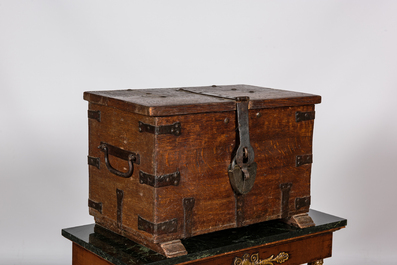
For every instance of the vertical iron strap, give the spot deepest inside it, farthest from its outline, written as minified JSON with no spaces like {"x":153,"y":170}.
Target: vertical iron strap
{"x":188,"y":204}
{"x":240,"y":199}
{"x":120,"y":197}
{"x":285,"y":190}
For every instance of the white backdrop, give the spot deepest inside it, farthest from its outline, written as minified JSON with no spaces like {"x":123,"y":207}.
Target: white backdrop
{"x":52,"y":51}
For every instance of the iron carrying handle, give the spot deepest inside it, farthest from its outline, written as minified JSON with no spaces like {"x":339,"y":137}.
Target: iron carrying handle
{"x":130,"y":157}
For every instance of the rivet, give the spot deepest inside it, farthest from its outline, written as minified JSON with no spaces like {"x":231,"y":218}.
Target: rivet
{"x":175,"y":182}
{"x":213,"y":85}
{"x":258,"y":114}
{"x":226,"y":121}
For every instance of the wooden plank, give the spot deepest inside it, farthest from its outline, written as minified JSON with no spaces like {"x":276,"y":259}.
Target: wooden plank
{"x":120,"y":128}
{"x":177,"y":101}
{"x":203,"y":152}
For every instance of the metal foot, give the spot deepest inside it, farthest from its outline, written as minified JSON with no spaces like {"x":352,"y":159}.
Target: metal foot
{"x":317,"y":262}
{"x":173,"y":248}
{"x":302,"y":220}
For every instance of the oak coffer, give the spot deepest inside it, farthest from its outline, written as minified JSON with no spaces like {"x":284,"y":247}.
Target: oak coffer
{"x":166,"y":164}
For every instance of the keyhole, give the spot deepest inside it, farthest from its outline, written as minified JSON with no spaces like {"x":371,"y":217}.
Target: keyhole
{"x":245,"y":155}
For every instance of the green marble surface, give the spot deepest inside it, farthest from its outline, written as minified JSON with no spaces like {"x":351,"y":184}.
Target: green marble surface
{"x":122,"y":251}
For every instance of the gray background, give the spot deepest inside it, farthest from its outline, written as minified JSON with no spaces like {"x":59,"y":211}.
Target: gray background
{"x":52,"y":51}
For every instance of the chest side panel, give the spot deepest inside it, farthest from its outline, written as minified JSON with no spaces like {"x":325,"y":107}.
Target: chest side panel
{"x":203,"y":152}
{"x":278,"y":139}
{"x":121,"y":198}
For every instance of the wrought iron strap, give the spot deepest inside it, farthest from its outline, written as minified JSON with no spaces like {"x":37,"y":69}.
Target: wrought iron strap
{"x":302,"y":202}
{"x":174,"y":128}
{"x":245,"y":150}
{"x":95,"y":205}
{"x":242,"y":170}
{"x":159,"y":181}
{"x":304,"y":116}
{"x":120,"y":197}
{"x":93,"y":161}
{"x":188,"y":204}
{"x":304,"y":159}
{"x":94,"y":114}
{"x":163,"y":228}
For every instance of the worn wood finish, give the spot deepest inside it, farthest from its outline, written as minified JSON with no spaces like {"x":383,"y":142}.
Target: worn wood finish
{"x":203,"y":158}
{"x":300,"y":251}
{"x":173,"y":101}
{"x":81,"y":256}
{"x":203,"y":200}
{"x":120,"y":128}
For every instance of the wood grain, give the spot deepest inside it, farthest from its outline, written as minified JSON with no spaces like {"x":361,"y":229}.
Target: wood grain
{"x":175,"y":101}
{"x":202,"y":154}
{"x":205,"y":149}
{"x":120,"y":129}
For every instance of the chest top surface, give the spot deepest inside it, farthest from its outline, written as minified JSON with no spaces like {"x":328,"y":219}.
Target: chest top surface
{"x":190,"y":100}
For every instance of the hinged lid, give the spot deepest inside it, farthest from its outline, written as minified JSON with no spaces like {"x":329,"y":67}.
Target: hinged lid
{"x":177,"y":101}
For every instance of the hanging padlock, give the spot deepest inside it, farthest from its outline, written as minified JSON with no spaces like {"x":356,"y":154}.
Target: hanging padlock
{"x":242,"y":170}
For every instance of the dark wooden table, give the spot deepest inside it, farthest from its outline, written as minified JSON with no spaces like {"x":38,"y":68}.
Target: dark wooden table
{"x":272,"y":242}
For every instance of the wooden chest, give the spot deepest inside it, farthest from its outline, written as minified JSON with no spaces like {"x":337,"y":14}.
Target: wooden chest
{"x":166,"y":164}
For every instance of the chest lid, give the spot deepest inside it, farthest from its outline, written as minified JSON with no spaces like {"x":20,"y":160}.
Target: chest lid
{"x":190,"y":100}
